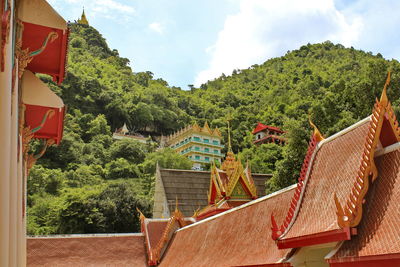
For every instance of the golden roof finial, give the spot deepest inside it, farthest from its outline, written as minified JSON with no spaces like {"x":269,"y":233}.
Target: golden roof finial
{"x":229,"y":134}
{"x":176,"y":203}
{"x":83,"y":19}
{"x":141,"y":215}
{"x":196,"y":212}
{"x":316,"y":133}
{"x":384,"y":98}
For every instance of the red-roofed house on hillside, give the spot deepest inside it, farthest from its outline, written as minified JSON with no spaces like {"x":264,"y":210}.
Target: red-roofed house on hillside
{"x":264,"y":134}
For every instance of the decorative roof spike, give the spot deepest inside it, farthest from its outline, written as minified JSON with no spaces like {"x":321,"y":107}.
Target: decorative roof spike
{"x":206,"y":128}
{"x":141,"y":218}
{"x":196,"y":212}
{"x":196,"y":127}
{"x":384,"y":98}
{"x":216,"y":132}
{"x":176,"y":203}
{"x":83,"y":19}
{"x":229,"y":138}
{"x":316,"y":133}
{"x":141,"y":215}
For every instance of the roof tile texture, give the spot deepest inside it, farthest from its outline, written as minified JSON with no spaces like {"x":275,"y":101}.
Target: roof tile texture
{"x":155,"y":230}
{"x":191,"y":188}
{"x":333,"y":170}
{"x":110,"y":251}
{"x":242,"y":237}
{"x":379,"y":230}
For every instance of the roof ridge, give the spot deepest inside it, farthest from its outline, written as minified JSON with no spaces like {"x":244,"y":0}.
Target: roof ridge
{"x":297,"y":198}
{"x":346,"y":130}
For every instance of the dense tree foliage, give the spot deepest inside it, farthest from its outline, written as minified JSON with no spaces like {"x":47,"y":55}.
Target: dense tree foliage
{"x":92,"y":183}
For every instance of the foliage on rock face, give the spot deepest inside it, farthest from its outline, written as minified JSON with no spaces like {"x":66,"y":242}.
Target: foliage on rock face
{"x":92,"y":183}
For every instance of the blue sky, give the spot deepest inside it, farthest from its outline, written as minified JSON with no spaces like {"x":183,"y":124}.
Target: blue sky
{"x":192,"y":41}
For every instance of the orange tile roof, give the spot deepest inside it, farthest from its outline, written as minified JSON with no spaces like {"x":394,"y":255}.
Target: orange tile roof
{"x":317,"y":212}
{"x":241,"y":237}
{"x":90,"y":250}
{"x":379,"y":230}
{"x":154,"y":230}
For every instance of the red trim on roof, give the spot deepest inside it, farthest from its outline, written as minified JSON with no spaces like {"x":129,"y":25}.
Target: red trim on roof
{"x":367,"y":261}
{"x":260,"y":127}
{"x":315,"y":239}
{"x":296,"y":199}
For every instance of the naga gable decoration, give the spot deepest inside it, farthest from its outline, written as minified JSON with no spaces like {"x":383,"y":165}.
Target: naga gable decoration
{"x":383,"y":128}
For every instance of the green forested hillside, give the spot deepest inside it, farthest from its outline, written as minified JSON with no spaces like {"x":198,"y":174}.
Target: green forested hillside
{"x":78,"y":186}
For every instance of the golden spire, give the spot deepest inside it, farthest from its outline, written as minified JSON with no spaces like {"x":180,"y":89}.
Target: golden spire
{"x":316,"y":133}
{"x":83,"y":19}
{"x":176,"y":203}
{"x":384,"y":99}
{"x":229,"y":135}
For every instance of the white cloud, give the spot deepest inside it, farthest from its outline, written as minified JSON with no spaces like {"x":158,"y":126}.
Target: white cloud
{"x":267,"y":28}
{"x":107,"y":6}
{"x":157,"y":27}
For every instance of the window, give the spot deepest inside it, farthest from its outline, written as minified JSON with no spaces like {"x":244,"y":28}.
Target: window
{"x":215,"y":142}
{"x":196,"y":138}
{"x":197,"y":157}
{"x":197,"y":148}
{"x":216,"y":151}
{"x":206,"y":149}
{"x":207,"y":158}
{"x":206,"y":141}
{"x":259,"y":136}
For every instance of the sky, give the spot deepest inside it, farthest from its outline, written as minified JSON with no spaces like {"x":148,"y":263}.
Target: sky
{"x":188,"y":42}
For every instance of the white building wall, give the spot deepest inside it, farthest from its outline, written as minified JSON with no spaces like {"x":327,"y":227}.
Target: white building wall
{"x":12,"y":219}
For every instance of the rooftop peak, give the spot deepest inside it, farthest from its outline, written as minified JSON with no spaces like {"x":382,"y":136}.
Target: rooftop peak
{"x":83,"y":19}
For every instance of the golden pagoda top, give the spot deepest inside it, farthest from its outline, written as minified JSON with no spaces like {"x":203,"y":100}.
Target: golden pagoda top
{"x":83,"y":19}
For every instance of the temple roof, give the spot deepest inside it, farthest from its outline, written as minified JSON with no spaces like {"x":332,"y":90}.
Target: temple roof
{"x":83,"y":19}
{"x":336,"y":171}
{"x":190,"y":187}
{"x":379,"y":231}
{"x":240,"y":236}
{"x":87,"y":250}
{"x":317,"y":211}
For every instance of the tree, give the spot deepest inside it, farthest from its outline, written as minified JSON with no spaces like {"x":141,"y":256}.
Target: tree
{"x":166,"y":158}
{"x":131,"y":150}
{"x":262,"y":158}
{"x":121,"y":169}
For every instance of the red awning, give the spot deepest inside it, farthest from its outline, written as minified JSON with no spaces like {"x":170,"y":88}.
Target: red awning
{"x":44,"y":110}
{"x":45,"y":34}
